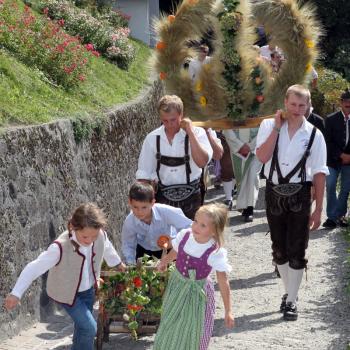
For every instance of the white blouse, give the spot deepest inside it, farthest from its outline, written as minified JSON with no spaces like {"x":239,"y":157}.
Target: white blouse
{"x":217,"y":259}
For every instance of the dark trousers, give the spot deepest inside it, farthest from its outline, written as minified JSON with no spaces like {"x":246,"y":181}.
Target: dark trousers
{"x":141,"y":251}
{"x":226,"y":162}
{"x":288,"y":219}
{"x":188,"y":206}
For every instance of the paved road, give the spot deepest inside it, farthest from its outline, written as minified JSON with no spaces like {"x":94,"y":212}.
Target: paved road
{"x":324,"y":319}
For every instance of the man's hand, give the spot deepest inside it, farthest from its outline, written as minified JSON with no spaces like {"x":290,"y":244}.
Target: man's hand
{"x":345,"y":158}
{"x":161,"y":266}
{"x":315,"y":219}
{"x":279,"y":119}
{"x":244,"y":150}
{"x":187,"y":125}
{"x":11,"y":302}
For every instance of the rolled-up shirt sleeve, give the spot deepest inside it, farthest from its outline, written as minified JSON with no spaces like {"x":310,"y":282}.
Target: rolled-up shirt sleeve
{"x":129,"y":241}
{"x":204,"y":142}
{"x":147,"y":160}
{"x":110,"y":255}
{"x":264,"y":132}
{"x":318,"y":155}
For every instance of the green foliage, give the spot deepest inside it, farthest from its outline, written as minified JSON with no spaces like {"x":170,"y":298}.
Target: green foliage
{"x":138,"y":289}
{"x":97,"y":33}
{"x":341,"y":60}
{"x":27,"y":96}
{"x":42,"y":44}
{"x":325,"y":99}
{"x":84,"y":128}
{"x":230,"y":23}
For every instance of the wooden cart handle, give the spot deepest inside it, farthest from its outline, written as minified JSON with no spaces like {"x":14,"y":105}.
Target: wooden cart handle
{"x":226,"y":123}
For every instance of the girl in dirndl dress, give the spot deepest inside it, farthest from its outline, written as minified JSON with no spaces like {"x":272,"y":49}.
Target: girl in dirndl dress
{"x":189,"y":305}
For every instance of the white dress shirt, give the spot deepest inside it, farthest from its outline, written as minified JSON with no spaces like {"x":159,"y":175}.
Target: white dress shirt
{"x":147,"y":163}
{"x":290,"y":151}
{"x":50,"y":257}
{"x":217,"y":259}
{"x":166,"y":220}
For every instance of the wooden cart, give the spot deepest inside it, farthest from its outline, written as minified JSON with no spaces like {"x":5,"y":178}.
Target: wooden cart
{"x":108,"y":323}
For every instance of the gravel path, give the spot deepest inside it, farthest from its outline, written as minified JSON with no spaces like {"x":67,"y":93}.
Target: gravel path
{"x":324,"y":306}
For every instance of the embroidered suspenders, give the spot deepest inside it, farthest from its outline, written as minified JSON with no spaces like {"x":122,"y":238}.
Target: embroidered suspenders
{"x":173,"y":161}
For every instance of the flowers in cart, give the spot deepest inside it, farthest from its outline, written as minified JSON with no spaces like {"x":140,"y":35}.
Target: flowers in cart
{"x":136,"y":294}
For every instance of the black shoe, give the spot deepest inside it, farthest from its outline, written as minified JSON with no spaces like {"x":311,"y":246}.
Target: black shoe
{"x":248,"y":214}
{"x":290,"y":312}
{"x":229,"y":203}
{"x":330,"y":224}
{"x":342,"y":222}
{"x":248,"y":218}
{"x":283,"y":303}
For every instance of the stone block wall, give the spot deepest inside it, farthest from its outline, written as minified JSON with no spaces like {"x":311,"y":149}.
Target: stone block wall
{"x":45,"y":173}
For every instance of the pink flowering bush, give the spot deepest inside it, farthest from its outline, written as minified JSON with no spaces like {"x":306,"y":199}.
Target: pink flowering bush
{"x":42,"y":43}
{"x":110,"y":41}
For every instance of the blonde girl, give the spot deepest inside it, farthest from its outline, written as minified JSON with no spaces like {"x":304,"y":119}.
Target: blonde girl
{"x":189,"y":304}
{"x":74,"y":262}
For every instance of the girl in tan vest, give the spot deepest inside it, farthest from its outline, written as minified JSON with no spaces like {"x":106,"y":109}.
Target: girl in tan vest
{"x":74,"y":262}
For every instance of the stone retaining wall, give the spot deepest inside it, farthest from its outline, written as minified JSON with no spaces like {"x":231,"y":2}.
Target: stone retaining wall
{"x":45,"y":173}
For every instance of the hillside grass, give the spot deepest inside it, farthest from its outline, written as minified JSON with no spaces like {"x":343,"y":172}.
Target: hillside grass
{"x":27,"y":97}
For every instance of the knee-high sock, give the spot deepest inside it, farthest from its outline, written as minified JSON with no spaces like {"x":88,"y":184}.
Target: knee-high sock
{"x":294,"y":281}
{"x":283,"y":270}
{"x":228,"y":187}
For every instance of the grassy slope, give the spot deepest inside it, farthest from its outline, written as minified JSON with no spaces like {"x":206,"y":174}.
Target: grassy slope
{"x":26,"y":97}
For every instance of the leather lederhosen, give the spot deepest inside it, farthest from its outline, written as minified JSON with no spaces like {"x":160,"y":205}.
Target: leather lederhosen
{"x":185,"y":196}
{"x":288,"y":207}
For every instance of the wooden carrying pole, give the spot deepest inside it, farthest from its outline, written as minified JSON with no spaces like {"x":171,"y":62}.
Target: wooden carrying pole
{"x":226,"y":123}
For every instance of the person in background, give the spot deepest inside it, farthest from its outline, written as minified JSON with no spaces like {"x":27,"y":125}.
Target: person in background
{"x":338,"y":160}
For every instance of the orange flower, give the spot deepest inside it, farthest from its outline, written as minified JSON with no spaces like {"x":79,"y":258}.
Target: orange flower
{"x":162,"y":75}
{"x":171,"y":18}
{"x":134,"y":307}
{"x":160,"y":45}
{"x":258,"y":81}
{"x":137,"y":282}
{"x":260,"y":98}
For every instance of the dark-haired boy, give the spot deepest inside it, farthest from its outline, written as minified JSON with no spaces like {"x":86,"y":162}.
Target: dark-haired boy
{"x":147,"y":222}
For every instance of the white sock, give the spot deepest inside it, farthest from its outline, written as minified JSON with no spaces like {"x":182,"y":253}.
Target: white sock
{"x":283,"y":270}
{"x":228,"y":187}
{"x":294,"y":281}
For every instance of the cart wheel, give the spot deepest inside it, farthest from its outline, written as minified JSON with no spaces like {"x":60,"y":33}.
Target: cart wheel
{"x":100,"y":333}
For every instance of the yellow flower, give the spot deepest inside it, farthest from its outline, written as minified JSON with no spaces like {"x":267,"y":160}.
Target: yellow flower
{"x":199,"y":86}
{"x":309,"y":43}
{"x":206,"y":67}
{"x":308,"y":67}
{"x":203,"y":101}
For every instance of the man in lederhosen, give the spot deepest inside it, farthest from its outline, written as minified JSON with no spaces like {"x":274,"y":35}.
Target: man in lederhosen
{"x":294,"y":154}
{"x":173,"y":156}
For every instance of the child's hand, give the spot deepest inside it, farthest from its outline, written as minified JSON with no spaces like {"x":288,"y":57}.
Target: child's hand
{"x":121,"y":267}
{"x":229,"y":320}
{"x":11,"y":302}
{"x":161,"y":266}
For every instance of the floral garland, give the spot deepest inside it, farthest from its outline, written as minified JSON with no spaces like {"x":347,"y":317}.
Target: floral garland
{"x":230,"y":21}
{"x":258,"y":88}
{"x":136,"y":292}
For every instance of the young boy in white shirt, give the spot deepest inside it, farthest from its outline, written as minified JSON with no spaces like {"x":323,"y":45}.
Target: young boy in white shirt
{"x":147,"y":222}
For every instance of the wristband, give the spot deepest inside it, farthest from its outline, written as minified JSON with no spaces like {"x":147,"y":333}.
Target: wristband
{"x":277,"y":129}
